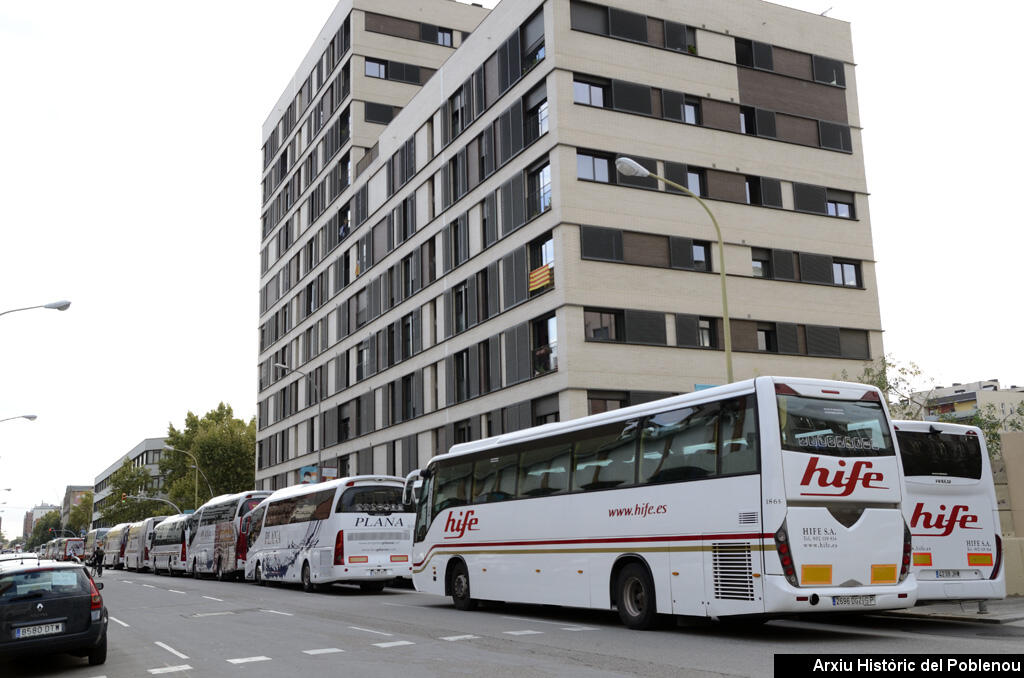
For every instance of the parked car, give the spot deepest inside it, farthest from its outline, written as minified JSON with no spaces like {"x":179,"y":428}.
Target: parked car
{"x":48,"y":606}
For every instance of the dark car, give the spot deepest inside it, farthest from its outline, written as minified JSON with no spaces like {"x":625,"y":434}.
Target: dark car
{"x":48,"y":606}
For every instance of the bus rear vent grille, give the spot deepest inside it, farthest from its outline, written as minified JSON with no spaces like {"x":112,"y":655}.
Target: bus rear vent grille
{"x":748,"y":517}
{"x":734,"y":577}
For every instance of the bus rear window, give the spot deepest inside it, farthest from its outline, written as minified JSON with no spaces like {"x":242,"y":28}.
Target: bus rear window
{"x":835,"y":428}
{"x":940,"y":454}
{"x":374,"y":499}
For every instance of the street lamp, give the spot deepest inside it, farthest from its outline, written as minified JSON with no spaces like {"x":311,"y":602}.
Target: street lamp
{"x":631,"y":168}
{"x":195,"y":498}
{"x":58,"y":305}
{"x":320,"y":423}
{"x":30,"y":417}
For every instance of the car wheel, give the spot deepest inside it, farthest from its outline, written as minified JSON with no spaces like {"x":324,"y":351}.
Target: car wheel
{"x":307,"y":581}
{"x":98,"y":655}
{"x":636,"y":603}
{"x":460,"y":588}
{"x":259,"y":575}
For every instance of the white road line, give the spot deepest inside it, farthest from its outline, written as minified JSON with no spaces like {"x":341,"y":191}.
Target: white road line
{"x":211,"y":614}
{"x":171,"y":669}
{"x":171,"y":649}
{"x":398,"y":605}
{"x":360,"y":628}
{"x":149,"y":586}
{"x":578,"y":628}
{"x":465,"y":637}
{"x":534,"y":621}
{"x":115,"y":619}
{"x":395,"y":643}
{"x":287,"y":614}
{"x":526,"y":632}
{"x":219,"y":600}
{"x":324,"y":650}
{"x":125,"y":581}
{"x":246,"y":660}
{"x":174,"y":591}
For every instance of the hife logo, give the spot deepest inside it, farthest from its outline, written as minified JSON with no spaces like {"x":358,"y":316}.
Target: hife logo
{"x":458,"y":524}
{"x":958,"y":515}
{"x":840,"y":480}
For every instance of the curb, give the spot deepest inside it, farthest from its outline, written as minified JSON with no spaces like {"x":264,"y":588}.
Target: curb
{"x":951,"y":616}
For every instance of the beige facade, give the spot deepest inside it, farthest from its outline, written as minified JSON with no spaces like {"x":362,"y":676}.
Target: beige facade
{"x":534,"y":285}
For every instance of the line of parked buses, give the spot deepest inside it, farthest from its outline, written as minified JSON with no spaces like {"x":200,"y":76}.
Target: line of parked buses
{"x":769,"y":497}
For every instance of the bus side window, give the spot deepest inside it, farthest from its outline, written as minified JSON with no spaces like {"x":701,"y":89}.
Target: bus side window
{"x":545,"y":471}
{"x":423,"y":512}
{"x":680,"y":445}
{"x":605,"y":458}
{"x":737,"y":437}
{"x":494,"y":479}
{"x":453,"y":486}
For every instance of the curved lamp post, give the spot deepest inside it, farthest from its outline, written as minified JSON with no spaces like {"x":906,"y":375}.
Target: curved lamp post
{"x":58,"y":305}
{"x":320,"y":423}
{"x":631,"y":168}
{"x":195,"y":498}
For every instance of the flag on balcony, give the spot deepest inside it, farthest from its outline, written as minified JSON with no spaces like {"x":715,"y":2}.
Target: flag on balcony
{"x":540,"y":277}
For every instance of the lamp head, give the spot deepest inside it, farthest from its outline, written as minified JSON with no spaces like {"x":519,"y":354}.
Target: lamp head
{"x":30,"y":417}
{"x":630,"y":167}
{"x":59,"y":305}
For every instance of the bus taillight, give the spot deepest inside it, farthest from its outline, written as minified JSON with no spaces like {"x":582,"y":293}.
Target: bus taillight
{"x":907,"y":549}
{"x":999,"y":557}
{"x":782,"y":389}
{"x":339,"y":548}
{"x":785,"y":555}
{"x":183,"y":556}
{"x":871,"y":396}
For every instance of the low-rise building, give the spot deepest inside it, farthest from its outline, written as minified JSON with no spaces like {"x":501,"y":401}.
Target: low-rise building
{"x":73,"y":495}
{"x":147,"y":455}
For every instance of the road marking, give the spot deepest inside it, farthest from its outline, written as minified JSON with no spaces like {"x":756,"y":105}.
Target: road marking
{"x":219,"y":600}
{"x":125,"y":581}
{"x":246,"y":660}
{"x":398,"y":605}
{"x":115,"y":619}
{"x":211,"y":614}
{"x":149,"y":586}
{"x":538,"y":621}
{"x":171,"y":650}
{"x":465,"y":637}
{"x":325,"y":650}
{"x":395,"y":643}
{"x":171,"y":669}
{"x":523,"y":633}
{"x":578,"y":628}
{"x":381,"y":633}
{"x":174,"y":591}
{"x":287,"y":614}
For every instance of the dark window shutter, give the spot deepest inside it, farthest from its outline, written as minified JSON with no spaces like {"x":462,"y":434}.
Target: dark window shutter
{"x":834,"y":136}
{"x":645,"y":327}
{"x":415,"y":272}
{"x":828,"y":71}
{"x":417,"y":392}
{"x":493,"y":290}
{"x":815,"y":268}
{"x":490,"y":209}
{"x":508,"y":280}
{"x":822,"y":341}
{"x":463,"y":226}
{"x":687,"y":330}
{"x":474,"y":371}
{"x":627,"y":96}
{"x":520,"y":274}
{"x":765,"y":122}
{"x":446,"y":248}
{"x":518,"y":200}
{"x":763,"y":56}
{"x":628,"y":25}
{"x":601,"y":243}
{"x":676,"y":172}
{"x":417,"y":331}
{"x":680,"y":252}
{"x":675,"y":36}
{"x":446,"y":116}
{"x":782,"y":265}
{"x":374,"y":310}
{"x":771,"y":192}
{"x":471,"y":301}
{"x":516,"y":124}
{"x":511,"y":370}
{"x":385,"y":290}
{"x":494,"y":361}
{"x":460,"y":179}
{"x":488,"y":150}
{"x":589,"y":18}
{"x":808,"y":198}
{"x":449,"y":309}
{"x":473,"y":163}
{"x":371,"y":354}
{"x":786,"y":334}
{"x":449,"y":379}
{"x":523,"y":362}
{"x":650,"y":165}
{"x":672,"y":104}
{"x":343,"y":326}
{"x":506,"y":208}
{"x":854,"y":344}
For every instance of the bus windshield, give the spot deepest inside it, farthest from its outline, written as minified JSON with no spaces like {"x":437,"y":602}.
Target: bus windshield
{"x":940,"y":454}
{"x":835,"y":428}
{"x":376,"y":499}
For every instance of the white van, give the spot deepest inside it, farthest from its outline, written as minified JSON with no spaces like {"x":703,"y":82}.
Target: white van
{"x":949,"y":502}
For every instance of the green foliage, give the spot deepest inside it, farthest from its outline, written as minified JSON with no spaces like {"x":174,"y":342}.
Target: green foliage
{"x":992,"y":424}
{"x":225,"y":448}
{"x":80,"y":516}
{"x":897,"y":381}
{"x":41,"y":532}
{"x":131,"y":480}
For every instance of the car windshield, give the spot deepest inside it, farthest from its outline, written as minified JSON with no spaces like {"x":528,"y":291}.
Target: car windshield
{"x":42,"y":583}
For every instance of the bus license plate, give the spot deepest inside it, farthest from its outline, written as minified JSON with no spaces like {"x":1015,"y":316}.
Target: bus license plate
{"x":947,"y":574}
{"x":850,"y":601}
{"x":377,"y":570}
{"x":40,"y":630}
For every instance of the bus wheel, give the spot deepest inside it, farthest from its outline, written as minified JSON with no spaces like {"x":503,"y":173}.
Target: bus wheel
{"x":636,"y":603}
{"x":371,"y":586}
{"x":460,"y":588}
{"x":259,"y":575}
{"x":307,"y":581}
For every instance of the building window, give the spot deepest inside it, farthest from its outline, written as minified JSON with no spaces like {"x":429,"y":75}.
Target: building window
{"x":531,"y":36}
{"x":706,"y":333}
{"x":691,"y":111}
{"x":748,"y":120}
{"x":590,"y":93}
{"x":696,"y":181}
{"x":761,"y":261}
{"x":592,"y":167}
{"x":837,"y":208}
{"x":545,"y":345}
{"x":598,"y":402}
{"x":766,"y":338}
{"x":538,"y":187}
{"x":461,"y":363}
{"x":536,"y":123}
{"x":376,"y":69}
{"x":444,"y":37}
{"x":542,"y":259}
{"x":455,"y":107}
{"x":460,"y":297}
{"x":599,"y":325}
{"x":701,"y":256}
{"x":845,"y":273}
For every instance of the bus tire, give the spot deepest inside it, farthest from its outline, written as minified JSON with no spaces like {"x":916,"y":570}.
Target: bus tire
{"x":371,"y":586}
{"x":635,"y":599}
{"x":307,"y":581}
{"x":460,"y":588}
{"x":258,"y":576}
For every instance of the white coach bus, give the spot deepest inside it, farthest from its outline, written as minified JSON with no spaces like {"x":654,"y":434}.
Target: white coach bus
{"x":950,"y":503}
{"x":771,"y":496}
{"x":212,"y":533}
{"x":169,"y":552}
{"x":113,"y":546}
{"x":140,"y":541}
{"x":351,"y":530}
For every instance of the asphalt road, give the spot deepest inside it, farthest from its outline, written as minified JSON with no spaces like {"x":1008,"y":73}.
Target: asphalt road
{"x":182,"y":627}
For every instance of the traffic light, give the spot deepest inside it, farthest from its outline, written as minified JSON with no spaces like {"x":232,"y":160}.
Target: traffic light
{"x":124,"y":497}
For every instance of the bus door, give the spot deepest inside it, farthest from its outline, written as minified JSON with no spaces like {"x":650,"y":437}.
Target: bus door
{"x":843,"y":487}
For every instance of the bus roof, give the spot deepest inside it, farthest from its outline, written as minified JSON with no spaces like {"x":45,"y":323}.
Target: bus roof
{"x":625,"y":413}
{"x":299,"y":490}
{"x":237,"y":496}
{"x":940,"y":426}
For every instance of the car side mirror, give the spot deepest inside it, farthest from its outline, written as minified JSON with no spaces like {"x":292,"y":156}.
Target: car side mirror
{"x":99,"y":585}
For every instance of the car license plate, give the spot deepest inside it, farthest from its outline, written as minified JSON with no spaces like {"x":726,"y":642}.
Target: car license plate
{"x":852,"y":601}
{"x":947,"y":574}
{"x":40,"y":630}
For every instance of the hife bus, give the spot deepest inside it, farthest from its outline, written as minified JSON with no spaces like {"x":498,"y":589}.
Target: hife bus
{"x":768,"y":497}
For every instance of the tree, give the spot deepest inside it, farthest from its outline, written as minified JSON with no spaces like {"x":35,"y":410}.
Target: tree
{"x":225,"y":448}
{"x":80,"y":516}
{"x":133,"y":481}
{"x":896,"y":381}
{"x":992,"y":424}
{"x":41,"y":532}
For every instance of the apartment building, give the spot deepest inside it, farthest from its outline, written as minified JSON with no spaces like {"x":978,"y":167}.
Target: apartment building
{"x":963,"y":401}
{"x":481,"y":267}
{"x":73,"y":495}
{"x":144,"y":455}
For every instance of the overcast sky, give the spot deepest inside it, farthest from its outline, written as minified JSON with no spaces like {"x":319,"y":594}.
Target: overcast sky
{"x":130,"y":186}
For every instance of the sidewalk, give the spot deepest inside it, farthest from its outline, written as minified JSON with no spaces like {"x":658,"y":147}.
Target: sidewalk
{"x":999,"y":611}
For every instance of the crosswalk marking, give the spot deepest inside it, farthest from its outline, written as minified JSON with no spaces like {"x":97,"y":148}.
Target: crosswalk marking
{"x":465,"y":637}
{"x":394,"y":643}
{"x":325,"y":650}
{"x":171,"y":669}
{"x":170,"y":649}
{"x":246,"y":660}
{"x":526,"y":632}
